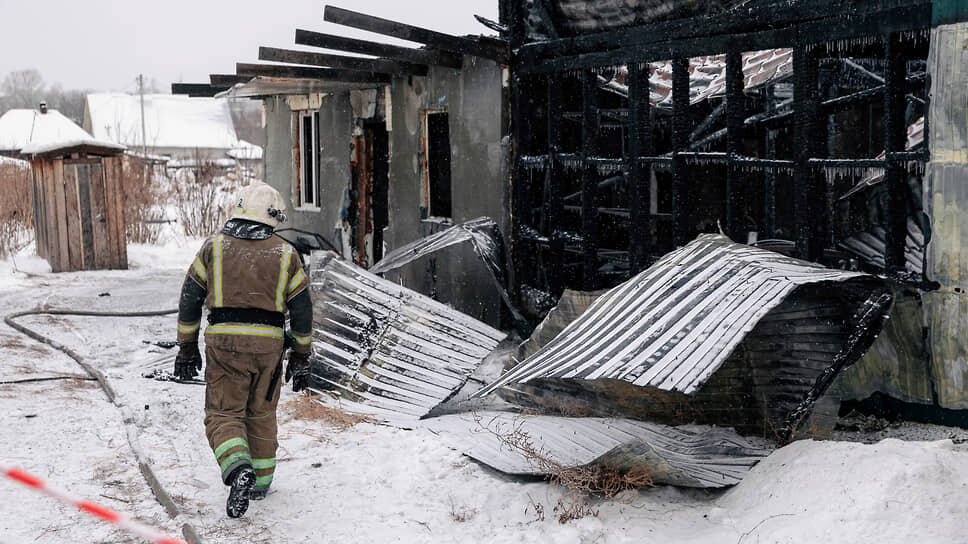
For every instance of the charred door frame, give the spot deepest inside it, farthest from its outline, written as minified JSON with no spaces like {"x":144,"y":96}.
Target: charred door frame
{"x":370,"y":192}
{"x":889,"y":30}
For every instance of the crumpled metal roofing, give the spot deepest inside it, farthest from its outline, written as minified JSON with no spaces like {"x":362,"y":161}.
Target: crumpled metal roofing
{"x":871,"y":247}
{"x":673,"y":325}
{"x":674,"y":456}
{"x":482,"y":233}
{"x":383,"y":349}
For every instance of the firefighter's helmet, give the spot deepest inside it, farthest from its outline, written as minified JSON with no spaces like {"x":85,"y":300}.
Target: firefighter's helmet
{"x":260,"y":203}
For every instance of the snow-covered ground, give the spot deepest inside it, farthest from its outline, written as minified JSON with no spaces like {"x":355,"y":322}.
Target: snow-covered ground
{"x":374,"y":483}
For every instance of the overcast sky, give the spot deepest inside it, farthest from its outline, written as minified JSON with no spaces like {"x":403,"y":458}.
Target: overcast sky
{"x":105,"y":44}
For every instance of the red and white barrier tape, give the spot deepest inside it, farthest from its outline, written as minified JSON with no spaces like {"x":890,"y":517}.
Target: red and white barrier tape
{"x":102,"y":512}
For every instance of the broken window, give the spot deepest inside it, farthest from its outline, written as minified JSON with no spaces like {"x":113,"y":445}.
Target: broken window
{"x":309,"y":159}
{"x":438,"y":164}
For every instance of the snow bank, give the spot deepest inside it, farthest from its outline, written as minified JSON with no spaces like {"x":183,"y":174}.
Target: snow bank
{"x":892,"y":491}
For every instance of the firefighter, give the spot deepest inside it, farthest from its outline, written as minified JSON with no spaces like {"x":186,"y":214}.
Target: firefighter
{"x":248,"y":279}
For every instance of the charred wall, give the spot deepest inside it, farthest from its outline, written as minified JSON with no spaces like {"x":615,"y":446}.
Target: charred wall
{"x":472,"y":98}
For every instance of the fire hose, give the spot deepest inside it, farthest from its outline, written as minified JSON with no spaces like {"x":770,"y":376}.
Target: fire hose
{"x":149,"y":475}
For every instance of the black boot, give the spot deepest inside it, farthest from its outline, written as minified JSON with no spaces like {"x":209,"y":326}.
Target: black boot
{"x":242,"y":480}
{"x":258,"y":493}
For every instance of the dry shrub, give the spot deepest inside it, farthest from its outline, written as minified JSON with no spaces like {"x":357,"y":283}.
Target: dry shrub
{"x":16,"y":208}
{"x":460,"y":514}
{"x":307,"y":407}
{"x":580,"y":483}
{"x":144,"y":200}
{"x":204,"y":197}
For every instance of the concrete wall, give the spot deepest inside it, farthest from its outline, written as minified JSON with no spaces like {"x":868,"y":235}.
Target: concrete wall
{"x":335,"y":135}
{"x":472,"y":98}
{"x":946,"y":203}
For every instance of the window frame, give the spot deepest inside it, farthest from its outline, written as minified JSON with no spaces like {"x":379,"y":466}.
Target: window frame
{"x":308,"y":191}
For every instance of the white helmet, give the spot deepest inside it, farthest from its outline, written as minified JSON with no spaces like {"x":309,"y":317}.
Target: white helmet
{"x":260,"y":203}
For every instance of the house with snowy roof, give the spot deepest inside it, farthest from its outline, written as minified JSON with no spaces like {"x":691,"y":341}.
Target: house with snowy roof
{"x":22,"y":127}
{"x":171,"y":126}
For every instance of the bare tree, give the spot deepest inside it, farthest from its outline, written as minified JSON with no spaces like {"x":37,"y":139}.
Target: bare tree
{"x":22,"y":89}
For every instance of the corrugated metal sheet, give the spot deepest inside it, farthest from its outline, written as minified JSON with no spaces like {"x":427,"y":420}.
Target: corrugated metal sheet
{"x":384,"y":349}
{"x":672,"y":326}
{"x":871,"y":246}
{"x":482,"y":233}
{"x":711,"y":458}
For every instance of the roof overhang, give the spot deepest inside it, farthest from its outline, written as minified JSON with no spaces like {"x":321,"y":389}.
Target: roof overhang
{"x":259,"y":87}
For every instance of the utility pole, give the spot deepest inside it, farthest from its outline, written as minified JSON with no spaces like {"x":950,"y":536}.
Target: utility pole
{"x":144,"y":138}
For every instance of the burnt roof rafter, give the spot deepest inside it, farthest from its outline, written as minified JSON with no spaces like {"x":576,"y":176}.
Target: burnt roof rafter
{"x":342,"y":61}
{"x":783,"y":25}
{"x":197,"y":89}
{"x":227,"y":79}
{"x":434,"y":57}
{"x":488,"y":48}
{"x":304,"y":72}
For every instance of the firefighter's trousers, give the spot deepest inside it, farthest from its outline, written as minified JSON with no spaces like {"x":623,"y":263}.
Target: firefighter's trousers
{"x":239,"y":422}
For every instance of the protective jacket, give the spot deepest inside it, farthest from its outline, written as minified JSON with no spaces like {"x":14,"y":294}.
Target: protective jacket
{"x":249,"y":280}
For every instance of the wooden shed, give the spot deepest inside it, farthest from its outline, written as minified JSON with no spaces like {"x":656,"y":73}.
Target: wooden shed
{"x":79,"y":205}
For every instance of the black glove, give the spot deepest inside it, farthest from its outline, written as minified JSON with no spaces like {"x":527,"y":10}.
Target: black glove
{"x":298,"y":370}
{"x":188,"y":361}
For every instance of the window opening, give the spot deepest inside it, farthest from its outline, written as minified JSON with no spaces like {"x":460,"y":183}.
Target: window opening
{"x":309,"y":159}
{"x":438,"y":164}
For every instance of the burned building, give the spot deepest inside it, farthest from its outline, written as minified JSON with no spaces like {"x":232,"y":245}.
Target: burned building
{"x":374,"y":153}
{"x":828,"y":131}
{"x":600,"y":137}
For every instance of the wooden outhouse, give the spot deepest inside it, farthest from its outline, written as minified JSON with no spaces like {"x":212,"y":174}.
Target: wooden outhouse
{"x":79,"y":205}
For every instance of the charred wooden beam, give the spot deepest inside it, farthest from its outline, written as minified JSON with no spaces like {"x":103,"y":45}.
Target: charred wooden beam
{"x":496,"y":50}
{"x":768,"y":151}
{"x":433,"y":57}
{"x":589,"y":179}
{"x":681,"y":191}
{"x":329,"y":74}
{"x":197,"y":89}
{"x":521,"y":202}
{"x":555,"y":200}
{"x":640,"y":180}
{"x":735,"y":178}
{"x":769,"y":26}
{"x":895,"y":137}
{"x":808,"y":196}
{"x":227,"y":79}
{"x":341,"y":61}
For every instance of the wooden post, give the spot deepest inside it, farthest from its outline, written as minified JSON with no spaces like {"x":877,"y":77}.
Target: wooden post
{"x":589,"y":179}
{"x":735,"y":180}
{"x":895,"y":137}
{"x":682,"y":228}
{"x":640,"y":144}
{"x":555,"y":198}
{"x":768,"y":230}
{"x":806,"y":105}
{"x":521,"y":200}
